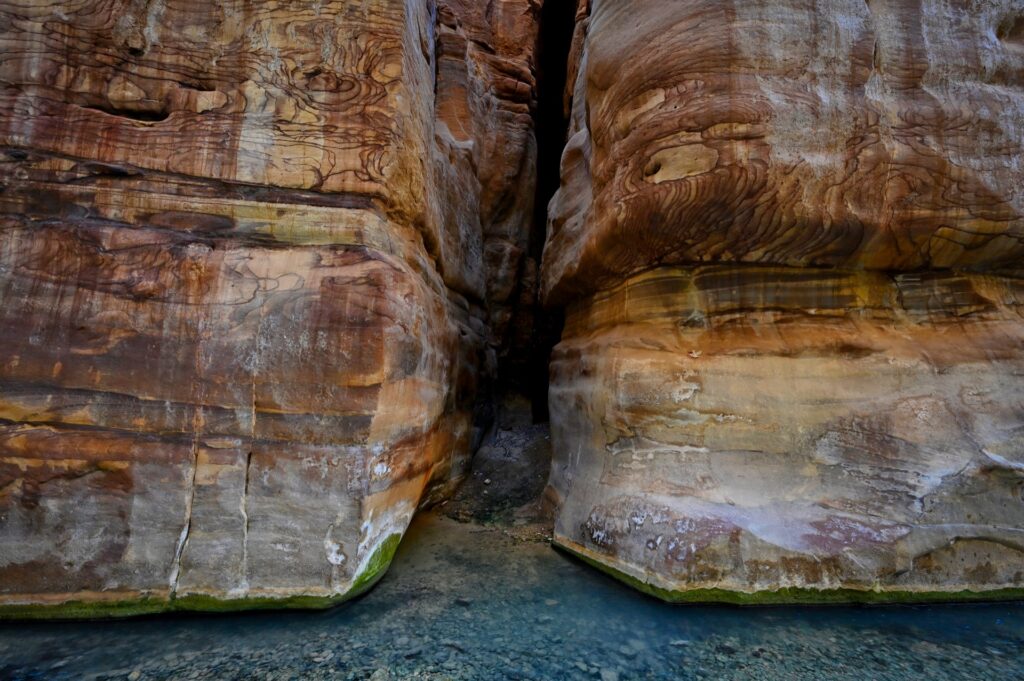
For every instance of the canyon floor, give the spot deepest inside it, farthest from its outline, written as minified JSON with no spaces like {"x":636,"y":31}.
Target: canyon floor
{"x":476,"y":592}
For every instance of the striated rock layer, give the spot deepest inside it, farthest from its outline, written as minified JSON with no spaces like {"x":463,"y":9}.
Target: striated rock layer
{"x":789,"y":236}
{"x":249,"y":255}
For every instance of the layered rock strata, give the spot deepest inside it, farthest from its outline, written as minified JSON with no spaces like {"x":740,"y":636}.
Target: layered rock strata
{"x":249,"y":255}
{"x":788,"y":236}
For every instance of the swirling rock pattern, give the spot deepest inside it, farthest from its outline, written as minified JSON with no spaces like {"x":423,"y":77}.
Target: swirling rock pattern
{"x":789,"y":237}
{"x":247,"y":267}
{"x":879,"y":134}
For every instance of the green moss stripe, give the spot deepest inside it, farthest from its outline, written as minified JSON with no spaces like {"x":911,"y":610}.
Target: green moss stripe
{"x":378,"y":565}
{"x":79,"y":610}
{"x":796,"y":595}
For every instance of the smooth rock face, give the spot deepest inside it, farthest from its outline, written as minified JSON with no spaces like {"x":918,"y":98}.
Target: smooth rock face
{"x":245,"y":259}
{"x":789,"y":237}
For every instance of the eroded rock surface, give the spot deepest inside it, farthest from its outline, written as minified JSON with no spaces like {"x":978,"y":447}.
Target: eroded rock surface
{"x":249,"y":258}
{"x":789,"y":236}
{"x":878,"y":135}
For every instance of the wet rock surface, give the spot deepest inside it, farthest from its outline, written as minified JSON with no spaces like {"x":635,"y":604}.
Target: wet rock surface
{"x":464,"y":601}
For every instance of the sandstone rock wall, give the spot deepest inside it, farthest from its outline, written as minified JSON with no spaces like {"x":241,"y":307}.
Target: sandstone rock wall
{"x":789,"y":238}
{"x":249,"y":258}
{"x":879,"y":135}
{"x":257,"y":260}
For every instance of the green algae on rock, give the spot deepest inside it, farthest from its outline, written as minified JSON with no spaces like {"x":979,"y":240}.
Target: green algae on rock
{"x":469,"y":602}
{"x":375,"y":569}
{"x":790,"y":595}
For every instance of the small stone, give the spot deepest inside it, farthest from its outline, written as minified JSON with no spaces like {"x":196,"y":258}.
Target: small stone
{"x":679,"y":643}
{"x":609,"y":675}
{"x":487,"y":481}
{"x":455,"y":645}
{"x":550,"y":601}
{"x":135,"y":675}
{"x":464,"y":602}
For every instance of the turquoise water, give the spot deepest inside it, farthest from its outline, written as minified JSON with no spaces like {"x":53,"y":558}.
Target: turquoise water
{"x":466,"y":602}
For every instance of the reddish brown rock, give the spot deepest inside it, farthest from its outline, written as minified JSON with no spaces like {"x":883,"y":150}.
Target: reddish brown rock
{"x":789,"y":236}
{"x":883,"y":135}
{"x":249,"y":254}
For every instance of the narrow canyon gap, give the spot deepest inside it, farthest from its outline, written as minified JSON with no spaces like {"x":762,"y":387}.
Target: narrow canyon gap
{"x":266,"y":270}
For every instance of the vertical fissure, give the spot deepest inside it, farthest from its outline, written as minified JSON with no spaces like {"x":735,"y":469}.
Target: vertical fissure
{"x":511,"y":465}
{"x":536,"y":329}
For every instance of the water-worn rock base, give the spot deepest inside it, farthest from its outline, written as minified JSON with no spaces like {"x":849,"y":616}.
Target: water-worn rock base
{"x":466,"y":601}
{"x":772,"y":435}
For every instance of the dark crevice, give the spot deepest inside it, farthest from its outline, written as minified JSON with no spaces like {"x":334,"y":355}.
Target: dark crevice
{"x":1011,"y":31}
{"x":558,"y":20}
{"x":536,"y":330}
{"x":133,"y":114}
{"x":512,"y":448}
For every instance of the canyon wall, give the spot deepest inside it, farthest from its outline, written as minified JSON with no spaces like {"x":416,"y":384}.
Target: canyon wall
{"x":258,"y":263}
{"x":254,"y":262}
{"x":789,"y":237}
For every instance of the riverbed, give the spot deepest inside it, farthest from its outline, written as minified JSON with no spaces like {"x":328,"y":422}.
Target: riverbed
{"x":470,"y":601}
